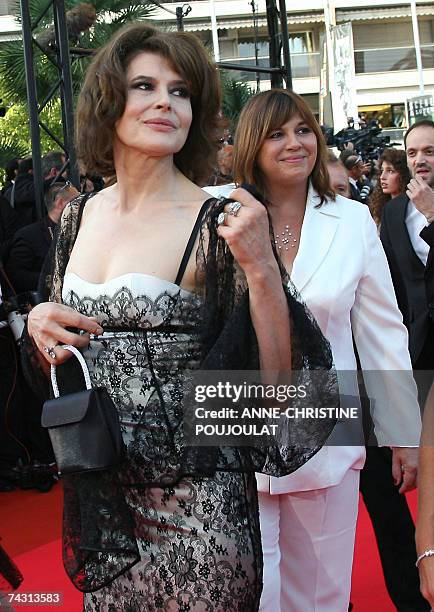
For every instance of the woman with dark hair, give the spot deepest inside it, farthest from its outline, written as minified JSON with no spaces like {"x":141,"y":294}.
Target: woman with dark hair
{"x":393,"y":180}
{"x":174,"y":527}
{"x":329,"y":246}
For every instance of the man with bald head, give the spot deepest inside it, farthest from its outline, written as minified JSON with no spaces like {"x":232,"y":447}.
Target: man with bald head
{"x":338,"y":176}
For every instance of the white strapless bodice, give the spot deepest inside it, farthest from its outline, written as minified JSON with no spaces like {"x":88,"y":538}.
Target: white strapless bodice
{"x":139,"y":284}
{"x":129,"y":300}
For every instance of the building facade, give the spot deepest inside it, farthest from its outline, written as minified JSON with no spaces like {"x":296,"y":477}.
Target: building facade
{"x":384,"y":54}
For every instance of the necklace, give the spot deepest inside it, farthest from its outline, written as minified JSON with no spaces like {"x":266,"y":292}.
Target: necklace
{"x":285,"y":239}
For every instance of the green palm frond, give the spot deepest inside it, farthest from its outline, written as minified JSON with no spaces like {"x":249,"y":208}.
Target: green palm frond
{"x":36,"y":7}
{"x":101,"y":33}
{"x":235,"y":96}
{"x":9,"y":149}
{"x":78,"y":72}
{"x":115,"y":6}
{"x":133,"y":13}
{"x":12,"y":70}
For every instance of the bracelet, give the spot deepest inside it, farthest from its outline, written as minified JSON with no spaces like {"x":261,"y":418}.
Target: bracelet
{"x":426,"y":553}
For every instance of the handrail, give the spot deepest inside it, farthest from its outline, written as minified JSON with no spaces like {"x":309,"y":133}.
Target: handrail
{"x":392,"y":48}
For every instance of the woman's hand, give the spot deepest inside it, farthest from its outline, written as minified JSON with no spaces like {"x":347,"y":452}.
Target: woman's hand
{"x":426,"y":573}
{"x":46,"y":326}
{"x":247,"y":234}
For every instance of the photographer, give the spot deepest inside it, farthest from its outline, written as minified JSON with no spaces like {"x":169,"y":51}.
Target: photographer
{"x":26,"y":453}
{"x":25,"y":449}
{"x":367,"y":142}
{"x":360,"y":187}
{"x":11,"y":399}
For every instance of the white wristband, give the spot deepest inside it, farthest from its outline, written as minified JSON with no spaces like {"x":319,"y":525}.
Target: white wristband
{"x":426,"y":553}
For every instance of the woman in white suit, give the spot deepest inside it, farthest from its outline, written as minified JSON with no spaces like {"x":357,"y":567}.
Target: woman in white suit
{"x":329,"y":246}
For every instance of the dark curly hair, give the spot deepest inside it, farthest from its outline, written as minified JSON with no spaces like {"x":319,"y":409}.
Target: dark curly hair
{"x":102,"y":99}
{"x":398,"y":159}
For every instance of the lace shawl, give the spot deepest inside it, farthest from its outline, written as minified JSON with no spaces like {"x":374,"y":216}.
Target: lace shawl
{"x":98,"y":534}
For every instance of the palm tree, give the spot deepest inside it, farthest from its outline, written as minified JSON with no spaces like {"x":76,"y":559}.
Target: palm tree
{"x":11,"y":150}
{"x":235,"y":95}
{"x":110,"y":16}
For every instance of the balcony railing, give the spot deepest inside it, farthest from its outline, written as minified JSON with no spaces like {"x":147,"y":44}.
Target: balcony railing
{"x":302,"y":65}
{"x":392,"y":59}
{"x":305,"y":65}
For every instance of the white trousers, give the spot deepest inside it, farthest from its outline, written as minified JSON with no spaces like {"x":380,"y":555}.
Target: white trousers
{"x":308,"y":544}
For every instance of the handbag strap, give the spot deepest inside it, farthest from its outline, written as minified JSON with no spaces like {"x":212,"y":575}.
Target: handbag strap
{"x":76,"y":352}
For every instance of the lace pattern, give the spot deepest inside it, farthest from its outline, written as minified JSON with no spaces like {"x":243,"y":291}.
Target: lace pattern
{"x":145,"y":369}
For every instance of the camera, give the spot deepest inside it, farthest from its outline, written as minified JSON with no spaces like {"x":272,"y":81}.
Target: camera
{"x":15,"y":309}
{"x":368,"y":142}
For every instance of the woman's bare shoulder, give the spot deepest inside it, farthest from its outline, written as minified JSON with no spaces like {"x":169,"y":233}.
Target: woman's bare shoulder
{"x":95,"y":201}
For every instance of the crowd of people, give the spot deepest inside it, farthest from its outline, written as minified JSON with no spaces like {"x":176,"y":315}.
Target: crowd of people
{"x":320,"y":264}
{"x":26,"y":458}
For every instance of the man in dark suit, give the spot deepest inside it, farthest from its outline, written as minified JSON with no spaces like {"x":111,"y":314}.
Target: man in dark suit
{"x":404,"y":223}
{"x":404,"y":231}
{"x":388,"y":510}
{"x":21,"y":192}
{"x":428,"y":235}
{"x":421,"y":191}
{"x":31,"y":243}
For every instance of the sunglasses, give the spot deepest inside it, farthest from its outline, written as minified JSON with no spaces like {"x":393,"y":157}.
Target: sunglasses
{"x":64,"y":186}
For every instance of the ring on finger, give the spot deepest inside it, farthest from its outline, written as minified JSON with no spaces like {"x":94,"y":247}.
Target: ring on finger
{"x":221,"y":219}
{"x":50,"y":351}
{"x":234,"y":208}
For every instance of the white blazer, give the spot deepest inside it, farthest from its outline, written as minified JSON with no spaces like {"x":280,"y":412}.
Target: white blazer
{"x":342,"y":275}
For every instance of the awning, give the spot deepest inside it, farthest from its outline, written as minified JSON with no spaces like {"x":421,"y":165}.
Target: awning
{"x":246,"y":21}
{"x":237,"y":22}
{"x":382,"y":13}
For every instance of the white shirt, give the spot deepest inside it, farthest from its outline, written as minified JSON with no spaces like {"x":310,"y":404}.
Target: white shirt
{"x":415,"y":222}
{"x":218,"y":191}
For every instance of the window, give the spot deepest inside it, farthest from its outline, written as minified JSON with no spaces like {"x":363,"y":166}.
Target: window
{"x":304,"y":61}
{"x":246,"y":47}
{"x":299,"y":42}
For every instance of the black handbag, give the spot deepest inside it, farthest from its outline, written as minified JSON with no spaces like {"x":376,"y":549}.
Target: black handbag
{"x":84,"y":427}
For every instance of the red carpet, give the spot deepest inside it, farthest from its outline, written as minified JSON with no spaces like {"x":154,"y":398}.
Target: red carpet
{"x":30,"y":531}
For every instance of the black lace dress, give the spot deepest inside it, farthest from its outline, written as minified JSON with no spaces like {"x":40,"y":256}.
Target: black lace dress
{"x":198,"y":540}
{"x":173,"y":528}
